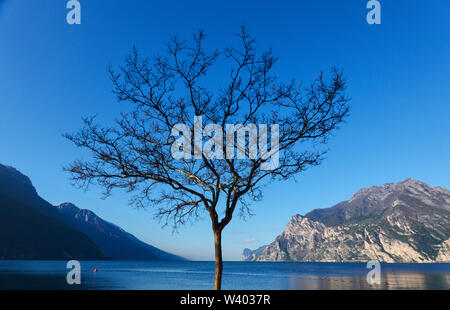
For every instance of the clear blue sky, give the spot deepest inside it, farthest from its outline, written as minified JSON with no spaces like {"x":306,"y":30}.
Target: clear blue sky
{"x":52,"y":74}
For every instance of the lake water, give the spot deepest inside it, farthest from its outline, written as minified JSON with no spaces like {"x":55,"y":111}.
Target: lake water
{"x":127,"y":275}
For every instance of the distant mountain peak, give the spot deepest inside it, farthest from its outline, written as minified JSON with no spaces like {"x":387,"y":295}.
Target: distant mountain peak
{"x":114,"y":241}
{"x":380,"y":192}
{"x":249,"y":255}
{"x":68,"y":206}
{"x":72,"y":212}
{"x":412,"y":182}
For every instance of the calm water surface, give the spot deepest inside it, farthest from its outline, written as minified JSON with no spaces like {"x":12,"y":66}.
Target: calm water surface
{"x":127,"y":275}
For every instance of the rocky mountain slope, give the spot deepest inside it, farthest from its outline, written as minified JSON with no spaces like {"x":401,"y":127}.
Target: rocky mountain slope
{"x":397,"y":222}
{"x":250,"y":255}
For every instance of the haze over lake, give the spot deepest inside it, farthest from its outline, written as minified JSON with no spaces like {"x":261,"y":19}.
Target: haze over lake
{"x":143,"y":275}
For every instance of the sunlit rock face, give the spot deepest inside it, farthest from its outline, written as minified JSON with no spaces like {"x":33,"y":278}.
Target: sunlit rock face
{"x":444,"y":252}
{"x":397,"y":222}
{"x":249,"y":255}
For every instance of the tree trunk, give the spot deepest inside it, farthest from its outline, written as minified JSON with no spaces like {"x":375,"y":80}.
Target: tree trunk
{"x":219,"y":262}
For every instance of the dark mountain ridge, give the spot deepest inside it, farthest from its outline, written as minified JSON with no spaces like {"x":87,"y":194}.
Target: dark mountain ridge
{"x":32,"y":228}
{"x":114,"y":241}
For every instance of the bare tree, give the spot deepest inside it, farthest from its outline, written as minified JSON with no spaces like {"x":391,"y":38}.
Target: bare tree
{"x":134,"y":154}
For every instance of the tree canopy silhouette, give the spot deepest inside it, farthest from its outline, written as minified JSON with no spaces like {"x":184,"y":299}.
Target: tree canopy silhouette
{"x":135,"y":153}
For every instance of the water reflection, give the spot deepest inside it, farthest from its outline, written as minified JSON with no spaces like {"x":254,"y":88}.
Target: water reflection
{"x":129,"y":275}
{"x":389,"y":281}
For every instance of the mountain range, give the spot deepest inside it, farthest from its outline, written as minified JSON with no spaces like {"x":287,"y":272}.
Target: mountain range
{"x":32,"y":228}
{"x":407,"y":221}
